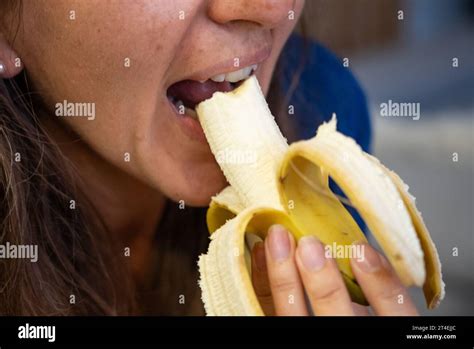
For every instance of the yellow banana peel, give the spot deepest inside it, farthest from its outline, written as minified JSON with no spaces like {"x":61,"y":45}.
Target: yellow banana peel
{"x":272,"y":182}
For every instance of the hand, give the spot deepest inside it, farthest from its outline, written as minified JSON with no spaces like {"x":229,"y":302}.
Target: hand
{"x":282,"y":272}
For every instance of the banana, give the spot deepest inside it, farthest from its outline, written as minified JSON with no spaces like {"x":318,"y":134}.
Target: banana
{"x":272,"y":182}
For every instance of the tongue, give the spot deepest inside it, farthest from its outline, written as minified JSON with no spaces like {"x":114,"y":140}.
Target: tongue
{"x":192,"y":92}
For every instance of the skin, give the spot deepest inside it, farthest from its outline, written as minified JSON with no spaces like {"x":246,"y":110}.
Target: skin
{"x":283,"y":271}
{"x":84,"y":60}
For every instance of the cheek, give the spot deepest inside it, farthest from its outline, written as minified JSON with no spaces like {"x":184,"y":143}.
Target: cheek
{"x":171,"y":162}
{"x":193,"y":180}
{"x":115,"y":63}
{"x":118,"y":64}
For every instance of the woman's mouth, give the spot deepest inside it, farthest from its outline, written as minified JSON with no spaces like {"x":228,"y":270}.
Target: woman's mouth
{"x":186,"y":94}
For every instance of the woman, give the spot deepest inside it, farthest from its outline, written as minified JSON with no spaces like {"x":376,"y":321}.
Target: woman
{"x":101,"y":171}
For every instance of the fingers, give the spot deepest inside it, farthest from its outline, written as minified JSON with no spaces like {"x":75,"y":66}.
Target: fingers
{"x":360,"y":310}
{"x":260,"y":281}
{"x":285,"y":283}
{"x":279,"y":273}
{"x":381,"y":285}
{"x":322,"y":280}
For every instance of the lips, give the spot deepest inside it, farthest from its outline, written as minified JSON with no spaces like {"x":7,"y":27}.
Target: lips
{"x":186,"y":94}
{"x":191,"y":93}
{"x":198,"y":85}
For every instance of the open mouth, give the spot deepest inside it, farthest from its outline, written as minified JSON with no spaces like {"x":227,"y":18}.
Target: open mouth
{"x":186,"y":94}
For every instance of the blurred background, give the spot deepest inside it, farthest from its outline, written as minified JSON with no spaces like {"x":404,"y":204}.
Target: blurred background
{"x":423,"y":54}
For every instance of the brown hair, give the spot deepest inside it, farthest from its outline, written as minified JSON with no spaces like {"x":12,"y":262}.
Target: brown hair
{"x":77,"y":256}
{"x":37,"y":187}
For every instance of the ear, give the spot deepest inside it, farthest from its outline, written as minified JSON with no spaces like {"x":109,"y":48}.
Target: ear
{"x":10,"y":63}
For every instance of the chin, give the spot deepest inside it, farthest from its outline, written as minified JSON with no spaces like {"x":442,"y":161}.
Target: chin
{"x":197,"y":192}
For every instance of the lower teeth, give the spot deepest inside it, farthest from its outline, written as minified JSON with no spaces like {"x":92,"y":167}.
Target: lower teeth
{"x":191,"y":112}
{"x":182,"y":110}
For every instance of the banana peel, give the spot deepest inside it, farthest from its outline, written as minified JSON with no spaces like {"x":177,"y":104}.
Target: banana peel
{"x":289,"y":185}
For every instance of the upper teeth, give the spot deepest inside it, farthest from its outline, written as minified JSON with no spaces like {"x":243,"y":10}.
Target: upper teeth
{"x":235,"y":75}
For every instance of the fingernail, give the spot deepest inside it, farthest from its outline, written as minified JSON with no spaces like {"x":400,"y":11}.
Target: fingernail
{"x":311,"y":253}
{"x":278,"y":242}
{"x":259,"y":254}
{"x":370,"y":261}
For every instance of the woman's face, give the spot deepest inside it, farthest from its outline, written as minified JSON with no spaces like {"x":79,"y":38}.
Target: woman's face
{"x":123,"y":56}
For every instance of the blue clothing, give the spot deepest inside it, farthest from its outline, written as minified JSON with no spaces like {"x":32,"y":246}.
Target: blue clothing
{"x":325,"y":87}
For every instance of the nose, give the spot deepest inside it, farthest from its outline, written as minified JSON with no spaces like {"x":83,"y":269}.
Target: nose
{"x":267,"y":13}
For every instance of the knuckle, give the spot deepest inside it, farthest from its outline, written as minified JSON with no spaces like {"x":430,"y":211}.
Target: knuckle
{"x":283,"y":285}
{"x":329,"y":293}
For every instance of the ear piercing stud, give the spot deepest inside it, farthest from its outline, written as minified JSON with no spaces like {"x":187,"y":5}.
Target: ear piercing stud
{"x":2,"y":68}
